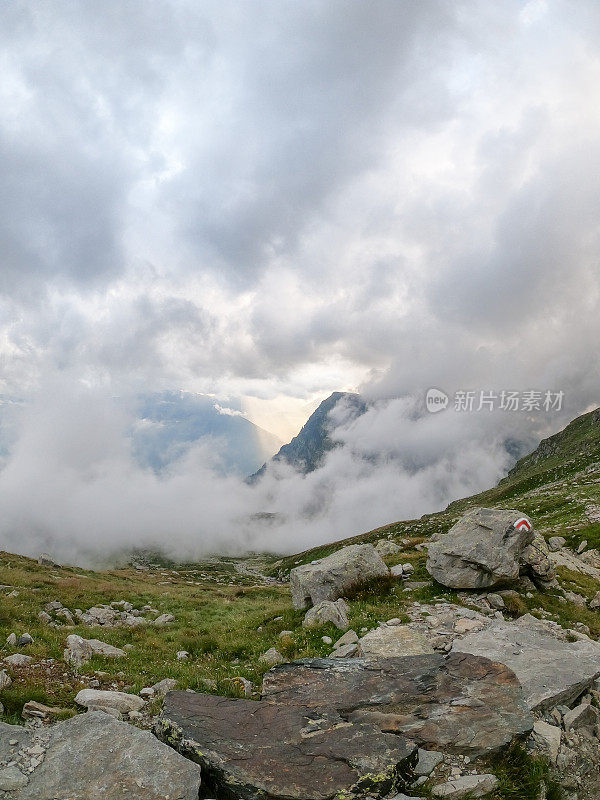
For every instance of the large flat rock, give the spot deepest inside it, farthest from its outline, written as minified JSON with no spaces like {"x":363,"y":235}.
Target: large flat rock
{"x":94,"y":756}
{"x":482,"y":550}
{"x":459,"y":703}
{"x":551,"y":669}
{"x":258,"y":750}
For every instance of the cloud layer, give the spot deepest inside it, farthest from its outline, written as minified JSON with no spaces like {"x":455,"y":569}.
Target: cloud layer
{"x":276,"y":201}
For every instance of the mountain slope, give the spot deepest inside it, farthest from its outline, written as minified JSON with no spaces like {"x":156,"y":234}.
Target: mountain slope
{"x":169,"y":423}
{"x":306,"y":450}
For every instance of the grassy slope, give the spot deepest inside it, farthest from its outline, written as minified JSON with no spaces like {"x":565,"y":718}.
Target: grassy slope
{"x":226,"y":619}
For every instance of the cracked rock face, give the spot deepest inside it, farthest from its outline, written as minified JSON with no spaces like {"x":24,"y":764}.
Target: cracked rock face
{"x":482,"y":550}
{"x":93,"y":755}
{"x":460,"y":704}
{"x":257,"y":750}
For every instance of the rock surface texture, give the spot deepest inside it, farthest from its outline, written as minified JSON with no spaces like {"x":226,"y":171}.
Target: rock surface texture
{"x":482,"y":550}
{"x":331,"y":577}
{"x":255,"y":750}
{"x":551,"y":669}
{"x":94,"y":756}
{"x":460,"y":704}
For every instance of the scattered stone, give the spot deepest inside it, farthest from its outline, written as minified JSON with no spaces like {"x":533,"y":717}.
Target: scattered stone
{"x":326,"y":639}
{"x":428,"y":761}
{"x":581,"y":716}
{"x":34,"y":710}
{"x":386,"y":548}
{"x":327,"y":611}
{"x":496,"y":601}
{"x":408,"y":568}
{"x":483,"y":549}
{"x":459,"y":703}
{"x":182,"y":655}
{"x":5,"y":679}
{"x":46,"y":560}
{"x":11,"y":640}
{"x":24,"y":640}
{"x":473,"y":785}
{"x":550,"y":669}
{"x":164,"y":619}
{"x":331,"y":577}
{"x":100,"y":699}
{"x":595,"y":601}
{"x":345,"y":651}
{"x":547,"y":738}
{"x":396,"y":571}
{"x":45,"y":618}
{"x":576,"y":599}
{"x":463,"y":625}
{"x":272,"y":657}
{"x":105,"y":758}
{"x":556,"y":543}
{"x":392,"y":642}
{"x":147,"y":692}
{"x":260,"y":749}
{"x":582,"y":547}
{"x":79,"y":651}
{"x":286,"y":634}
{"x":164,"y":686}
{"x":350,"y":637}
{"x":18,"y":660}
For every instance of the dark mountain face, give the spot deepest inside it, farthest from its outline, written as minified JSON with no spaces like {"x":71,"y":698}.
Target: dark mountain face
{"x":307,"y":450}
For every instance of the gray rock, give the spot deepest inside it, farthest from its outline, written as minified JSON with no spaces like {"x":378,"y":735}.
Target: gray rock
{"x":18,"y":660}
{"x":547,"y":738}
{"x":164,"y":686}
{"x":551,"y":670}
{"x":392,"y":642}
{"x":459,"y":703}
{"x":331,"y":577}
{"x":582,"y":547}
{"x":536,"y":556}
{"x":327,"y":611}
{"x":164,"y":619}
{"x":44,"y":618}
{"x":496,"y":601}
{"x":556,"y":543}
{"x":101,"y":699}
{"x":93,"y":755}
{"x":5,"y":679}
{"x":11,"y":778}
{"x":386,"y":548}
{"x":11,"y":640}
{"x":473,"y":785}
{"x":482,"y":550}
{"x":350,"y":637}
{"x":428,"y":761}
{"x":345,"y":651}
{"x":78,"y":650}
{"x":24,"y":640}
{"x":396,"y":571}
{"x":595,"y":601}
{"x":582,"y":716}
{"x":249,"y":749}
{"x":272,"y":657}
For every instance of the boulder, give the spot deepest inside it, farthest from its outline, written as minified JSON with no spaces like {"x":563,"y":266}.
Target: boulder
{"x":327,"y":611}
{"x":428,"y":761}
{"x":393,"y":641}
{"x":482,"y":550}
{"x":582,"y":716}
{"x":331,"y":577}
{"x":93,"y":755}
{"x":272,"y":657}
{"x":345,"y":651}
{"x":164,"y":619}
{"x":100,"y":699}
{"x":459,"y":704}
{"x":252,"y":749}
{"x":550,"y":669}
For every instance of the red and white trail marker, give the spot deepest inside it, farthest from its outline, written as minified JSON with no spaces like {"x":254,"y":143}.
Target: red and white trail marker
{"x":523,"y":524}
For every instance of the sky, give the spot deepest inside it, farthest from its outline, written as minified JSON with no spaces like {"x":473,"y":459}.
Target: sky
{"x":269,"y":201}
